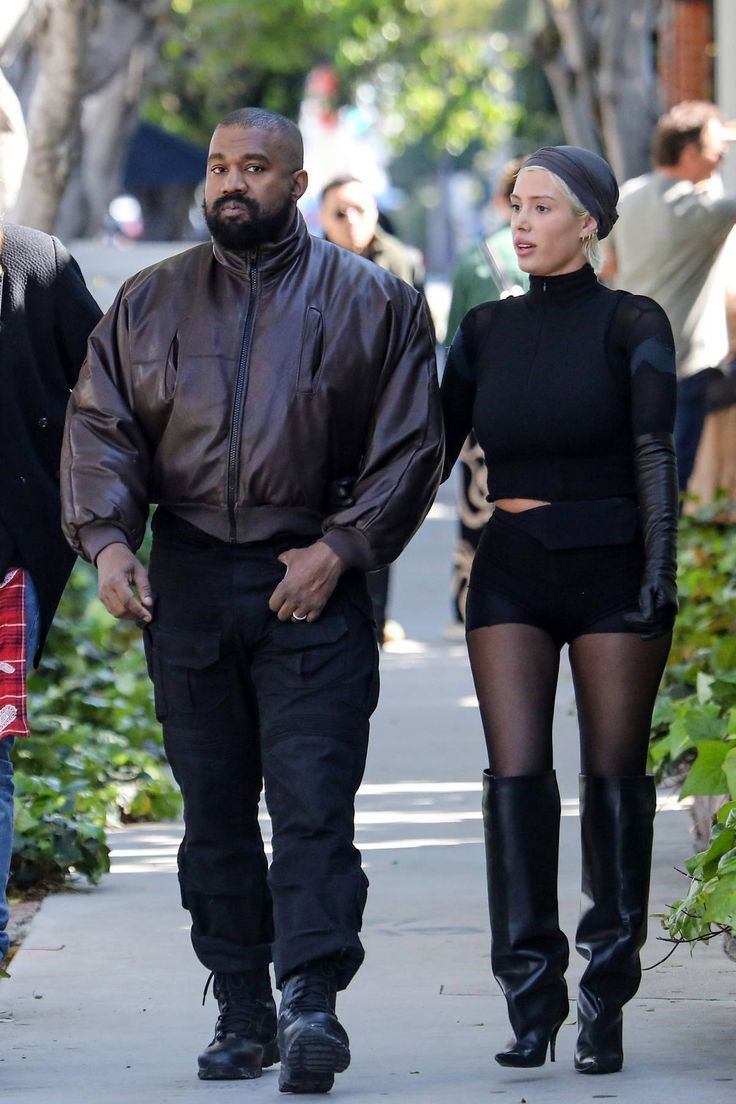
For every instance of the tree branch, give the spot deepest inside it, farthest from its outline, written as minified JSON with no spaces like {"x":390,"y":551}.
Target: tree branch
{"x":54,"y":110}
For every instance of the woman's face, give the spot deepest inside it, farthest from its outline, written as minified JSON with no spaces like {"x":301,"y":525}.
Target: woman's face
{"x":548,"y":237}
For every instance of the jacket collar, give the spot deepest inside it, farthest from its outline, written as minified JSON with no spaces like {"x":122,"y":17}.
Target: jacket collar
{"x":563,"y":289}
{"x":271,"y":258}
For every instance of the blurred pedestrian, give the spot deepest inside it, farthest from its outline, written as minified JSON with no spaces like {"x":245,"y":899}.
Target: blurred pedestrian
{"x":668,"y":243}
{"x":250,"y":387}
{"x":46,"y":315}
{"x":571,"y":391}
{"x":486,"y":272}
{"x":350,"y":218}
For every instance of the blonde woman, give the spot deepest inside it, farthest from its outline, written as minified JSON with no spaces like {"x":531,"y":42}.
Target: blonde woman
{"x":570,"y":390}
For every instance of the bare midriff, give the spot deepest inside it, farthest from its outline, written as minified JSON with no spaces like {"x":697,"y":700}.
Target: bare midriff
{"x":518,"y":505}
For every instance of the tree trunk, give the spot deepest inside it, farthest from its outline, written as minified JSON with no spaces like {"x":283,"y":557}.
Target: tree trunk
{"x":567,"y":52}
{"x":122,"y":50}
{"x":55,"y":109}
{"x":627,"y":82}
{"x":109,"y":117}
{"x":575,"y":116}
{"x":598,"y":57}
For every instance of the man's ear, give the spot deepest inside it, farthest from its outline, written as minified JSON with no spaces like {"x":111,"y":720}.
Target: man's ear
{"x":299,"y":182}
{"x":688,"y":155}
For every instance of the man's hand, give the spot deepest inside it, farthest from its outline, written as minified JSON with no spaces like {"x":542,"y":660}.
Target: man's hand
{"x":120,"y":576}
{"x":312,"y":575}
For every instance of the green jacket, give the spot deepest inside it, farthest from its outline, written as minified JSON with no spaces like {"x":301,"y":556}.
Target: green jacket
{"x":473,"y":282}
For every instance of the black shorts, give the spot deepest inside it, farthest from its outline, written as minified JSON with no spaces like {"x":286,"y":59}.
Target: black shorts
{"x":517,"y":579}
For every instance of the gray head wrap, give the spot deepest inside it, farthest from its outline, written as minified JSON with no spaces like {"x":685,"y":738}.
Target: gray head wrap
{"x":587,"y":175}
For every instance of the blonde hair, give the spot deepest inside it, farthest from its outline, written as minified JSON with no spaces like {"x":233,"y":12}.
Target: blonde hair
{"x":592,"y":250}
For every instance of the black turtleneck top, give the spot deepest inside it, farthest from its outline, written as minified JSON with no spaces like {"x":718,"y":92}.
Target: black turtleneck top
{"x":557,"y":384}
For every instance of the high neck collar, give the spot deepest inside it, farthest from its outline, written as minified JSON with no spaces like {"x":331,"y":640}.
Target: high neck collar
{"x":565,"y":288}
{"x":272,"y":257}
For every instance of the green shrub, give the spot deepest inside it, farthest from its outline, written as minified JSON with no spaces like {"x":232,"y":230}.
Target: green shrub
{"x":694,"y":725}
{"x":710,"y":905}
{"x":95,"y":756}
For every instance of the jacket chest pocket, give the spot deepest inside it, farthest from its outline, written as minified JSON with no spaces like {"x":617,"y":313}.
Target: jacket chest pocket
{"x":310,"y":360}
{"x":189,"y":676}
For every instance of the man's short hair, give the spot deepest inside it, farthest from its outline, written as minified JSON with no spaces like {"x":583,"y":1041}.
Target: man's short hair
{"x":682,"y":125}
{"x":260,"y":119}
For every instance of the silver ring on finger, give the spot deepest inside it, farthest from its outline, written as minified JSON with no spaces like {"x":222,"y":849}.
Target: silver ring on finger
{"x":298,"y":617}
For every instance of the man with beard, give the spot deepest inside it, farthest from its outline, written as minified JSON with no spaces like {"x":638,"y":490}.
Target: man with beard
{"x":277,"y":398}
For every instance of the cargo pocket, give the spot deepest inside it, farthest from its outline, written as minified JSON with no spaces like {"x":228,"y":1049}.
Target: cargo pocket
{"x":310,"y":654}
{"x":188,"y":676}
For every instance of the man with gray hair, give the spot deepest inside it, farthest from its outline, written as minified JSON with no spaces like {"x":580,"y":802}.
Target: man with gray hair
{"x":277,"y":398}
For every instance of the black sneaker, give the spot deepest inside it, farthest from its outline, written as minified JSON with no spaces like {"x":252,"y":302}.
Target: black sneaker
{"x":313,"y":1043}
{"x":245,"y":1033}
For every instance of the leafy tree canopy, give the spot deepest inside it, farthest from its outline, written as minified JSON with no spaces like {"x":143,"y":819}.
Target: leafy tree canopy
{"x":440,"y":68}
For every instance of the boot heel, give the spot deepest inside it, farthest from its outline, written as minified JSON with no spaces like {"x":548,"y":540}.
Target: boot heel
{"x":528,"y":1055}
{"x":553,"y":1041}
{"x":270,"y":1055}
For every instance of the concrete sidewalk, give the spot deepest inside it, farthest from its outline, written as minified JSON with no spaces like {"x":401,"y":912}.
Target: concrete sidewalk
{"x":105,"y":998}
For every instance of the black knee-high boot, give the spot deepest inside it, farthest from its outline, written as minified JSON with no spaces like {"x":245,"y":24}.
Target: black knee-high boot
{"x":529,"y":953}
{"x":616,"y":823}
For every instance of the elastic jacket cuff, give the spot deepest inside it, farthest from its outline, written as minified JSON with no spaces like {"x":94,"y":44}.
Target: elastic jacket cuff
{"x":96,"y":537}
{"x":352,"y":548}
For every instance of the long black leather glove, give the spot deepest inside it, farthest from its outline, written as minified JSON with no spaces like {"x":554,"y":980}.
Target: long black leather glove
{"x":656,"y":482}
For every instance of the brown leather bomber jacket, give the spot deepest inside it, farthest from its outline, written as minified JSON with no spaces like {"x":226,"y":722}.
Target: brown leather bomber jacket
{"x":239,"y":390}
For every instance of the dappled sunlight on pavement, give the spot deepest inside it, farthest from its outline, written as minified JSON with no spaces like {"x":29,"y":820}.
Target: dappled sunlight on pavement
{"x":379,"y":809}
{"x":115,"y":1013}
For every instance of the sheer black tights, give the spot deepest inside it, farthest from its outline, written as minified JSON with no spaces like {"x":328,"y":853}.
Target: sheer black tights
{"x":615,"y":675}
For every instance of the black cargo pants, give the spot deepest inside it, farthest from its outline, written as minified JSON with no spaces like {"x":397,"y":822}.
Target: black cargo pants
{"x":245,"y":700}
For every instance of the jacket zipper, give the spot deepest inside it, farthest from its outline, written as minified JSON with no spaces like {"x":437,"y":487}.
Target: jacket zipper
{"x":241,"y":388}
{"x":535,"y":354}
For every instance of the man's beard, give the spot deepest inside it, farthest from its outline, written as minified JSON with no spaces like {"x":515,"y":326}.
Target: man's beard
{"x":261,"y":227}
